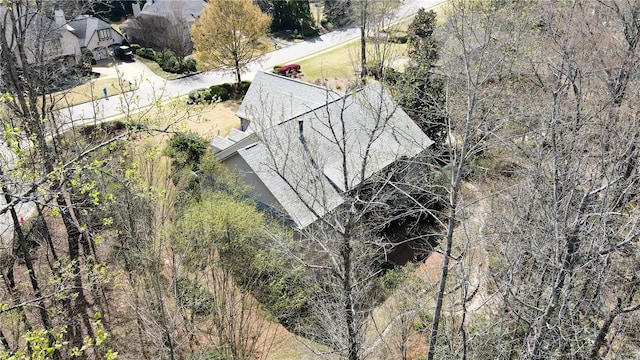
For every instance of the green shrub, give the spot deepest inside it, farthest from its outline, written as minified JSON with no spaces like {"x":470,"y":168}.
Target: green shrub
{"x":309,"y":32}
{"x":419,"y":326}
{"x":87,"y":57}
{"x":147,"y":53}
{"x":171,"y":65}
{"x":135,"y":48}
{"x":167,"y":60}
{"x":207,"y":95}
{"x":194,"y":296}
{"x":398,"y":37}
{"x":185,"y":150}
{"x":219,"y":93}
{"x":190,"y":65}
{"x":228,"y":87}
{"x":194,"y":96}
{"x":244,"y":86}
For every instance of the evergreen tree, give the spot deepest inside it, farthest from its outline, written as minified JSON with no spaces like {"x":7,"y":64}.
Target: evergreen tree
{"x":338,"y":12}
{"x":301,"y":15}
{"x":291,"y":15}
{"x":420,"y":90}
{"x":281,"y":16}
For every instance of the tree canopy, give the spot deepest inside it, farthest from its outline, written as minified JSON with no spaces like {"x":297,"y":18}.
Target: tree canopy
{"x":227,"y":34}
{"x":291,"y":15}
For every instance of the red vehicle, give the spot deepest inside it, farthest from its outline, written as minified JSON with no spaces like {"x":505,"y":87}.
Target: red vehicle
{"x":290,"y":69}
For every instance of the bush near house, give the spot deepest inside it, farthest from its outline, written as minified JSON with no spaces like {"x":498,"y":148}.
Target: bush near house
{"x":398,"y":37}
{"x":147,"y":53}
{"x":166,"y":59}
{"x":87,"y":57}
{"x":135,"y":47}
{"x":221,"y":92}
{"x":244,"y":86}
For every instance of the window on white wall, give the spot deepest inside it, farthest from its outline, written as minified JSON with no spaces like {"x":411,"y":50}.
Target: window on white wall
{"x":104,"y":34}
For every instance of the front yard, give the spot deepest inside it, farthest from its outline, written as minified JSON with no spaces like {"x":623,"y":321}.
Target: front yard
{"x":342,"y":62}
{"x":90,"y":91}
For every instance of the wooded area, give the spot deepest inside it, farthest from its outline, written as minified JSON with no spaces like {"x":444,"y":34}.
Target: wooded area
{"x":141,"y":243}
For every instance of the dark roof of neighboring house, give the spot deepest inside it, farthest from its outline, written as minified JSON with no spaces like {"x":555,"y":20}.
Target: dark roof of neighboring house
{"x":190,"y":9}
{"x":85,"y":26}
{"x":300,"y":160}
{"x":279,"y":98}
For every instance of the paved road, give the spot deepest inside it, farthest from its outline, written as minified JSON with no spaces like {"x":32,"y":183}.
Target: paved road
{"x":152,"y":88}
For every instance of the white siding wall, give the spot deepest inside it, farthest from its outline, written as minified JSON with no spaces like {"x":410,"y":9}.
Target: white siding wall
{"x":98,"y":47}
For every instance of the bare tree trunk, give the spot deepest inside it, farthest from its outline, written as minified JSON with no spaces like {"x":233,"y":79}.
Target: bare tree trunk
{"x":347,"y":286}
{"x":238,"y":79}
{"x":363,"y":38}
{"x":24,"y":247}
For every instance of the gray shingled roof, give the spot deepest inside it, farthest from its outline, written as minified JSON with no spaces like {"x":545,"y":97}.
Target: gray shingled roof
{"x":189,"y":9}
{"x":277,"y":98}
{"x":300,"y":160}
{"x":219,"y":143}
{"x":84,"y":26}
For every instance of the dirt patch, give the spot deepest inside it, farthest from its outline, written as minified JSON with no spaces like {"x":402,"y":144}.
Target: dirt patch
{"x":431,"y":268}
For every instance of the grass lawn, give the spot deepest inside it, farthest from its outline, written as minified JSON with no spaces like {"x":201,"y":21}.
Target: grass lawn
{"x":341,"y":62}
{"x":90,"y":91}
{"x":205,"y":120}
{"x":153,"y":66}
{"x":215,"y":119}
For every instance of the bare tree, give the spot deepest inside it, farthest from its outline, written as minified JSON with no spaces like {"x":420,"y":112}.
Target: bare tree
{"x":53,"y":164}
{"x":561,"y":228}
{"x":473,"y":60}
{"x":579,"y":226}
{"x":344,"y":191}
{"x":171,"y":31}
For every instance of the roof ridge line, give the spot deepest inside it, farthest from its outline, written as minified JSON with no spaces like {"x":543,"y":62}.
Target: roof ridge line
{"x":344,"y":96}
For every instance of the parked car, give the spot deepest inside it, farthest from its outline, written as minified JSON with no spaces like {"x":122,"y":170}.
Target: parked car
{"x":288,"y":70}
{"x":123,"y":53}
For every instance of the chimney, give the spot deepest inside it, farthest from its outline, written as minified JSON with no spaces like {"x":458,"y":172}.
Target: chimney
{"x":301,"y":129}
{"x":136,"y":8}
{"x":59,"y":17}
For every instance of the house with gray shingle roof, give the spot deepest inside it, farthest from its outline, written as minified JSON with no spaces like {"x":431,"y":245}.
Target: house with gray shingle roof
{"x":44,"y":40}
{"x":272,"y":99}
{"x":96,"y":35}
{"x":300,"y":157}
{"x":183,"y":10}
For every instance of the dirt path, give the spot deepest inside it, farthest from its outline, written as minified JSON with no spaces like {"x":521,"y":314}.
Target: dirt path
{"x":470,"y":236}
{"x":469,"y":267}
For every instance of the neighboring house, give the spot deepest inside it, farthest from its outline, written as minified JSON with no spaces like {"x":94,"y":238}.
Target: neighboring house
{"x":94,"y":34}
{"x":45,"y":40}
{"x":180,"y":10}
{"x":291,"y":153}
{"x":272,"y":99}
{"x":164,"y":24}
